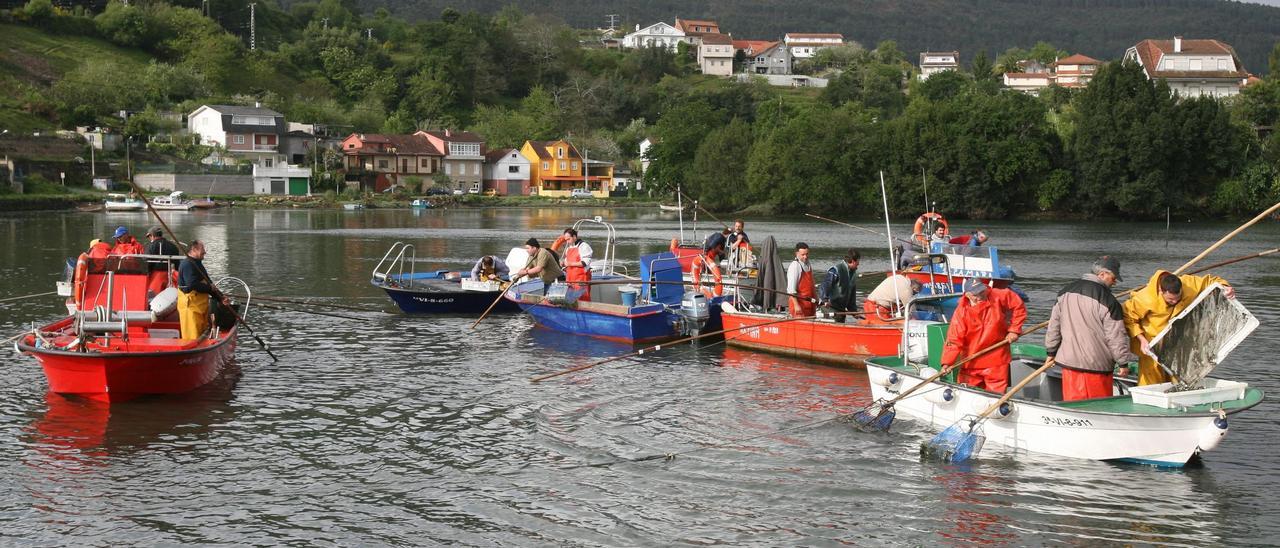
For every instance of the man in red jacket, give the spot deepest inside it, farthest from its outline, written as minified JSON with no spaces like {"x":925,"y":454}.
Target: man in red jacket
{"x":985,"y":316}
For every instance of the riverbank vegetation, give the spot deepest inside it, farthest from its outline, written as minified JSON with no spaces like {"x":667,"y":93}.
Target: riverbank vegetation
{"x":1124,"y":147}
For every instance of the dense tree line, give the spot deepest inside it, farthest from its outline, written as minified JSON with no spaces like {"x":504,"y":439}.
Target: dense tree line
{"x":1124,"y":146}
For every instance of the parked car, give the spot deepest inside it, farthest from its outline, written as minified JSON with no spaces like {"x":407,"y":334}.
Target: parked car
{"x":437,"y":191}
{"x":581,"y":193}
{"x":458,"y":192}
{"x":491,"y":192}
{"x":475,"y":189}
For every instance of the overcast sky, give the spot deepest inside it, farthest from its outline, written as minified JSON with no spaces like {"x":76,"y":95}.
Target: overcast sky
{"x":1267,"y":2}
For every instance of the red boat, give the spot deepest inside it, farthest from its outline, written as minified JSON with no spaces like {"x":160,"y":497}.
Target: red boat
{"x":823,"y":340}
{"x":119,"y":346}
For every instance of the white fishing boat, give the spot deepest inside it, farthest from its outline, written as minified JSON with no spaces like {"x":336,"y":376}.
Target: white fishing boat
{"x":175,"y":201}
{"x":123,"y":202}
{"x":665,"y":207}
{"x":1159,"y":424}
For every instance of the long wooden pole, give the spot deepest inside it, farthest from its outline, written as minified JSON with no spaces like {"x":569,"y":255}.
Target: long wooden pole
{"x":493,"y":304}
{"x":217,"y":294}
{"x":1228,"y":237}
{"x":5,"y":300}
{"x":660,"y":346}
{"x":704,"y":210}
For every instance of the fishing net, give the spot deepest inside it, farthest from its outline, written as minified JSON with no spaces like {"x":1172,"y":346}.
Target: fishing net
{"x":958,"y":443}
{"x":1200,"y":337}
{"x":878,"y":417}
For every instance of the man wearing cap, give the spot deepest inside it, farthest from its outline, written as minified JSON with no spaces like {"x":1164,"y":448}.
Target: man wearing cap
{"x":158,"y":271}
{"x":1149,"y":312}
{"x":1086,"y":333}
{"x":541,"y":263}
{"x":126,"y":244}
{"x":986,"y":316}
{"x":193,"y":293}
{"x":800,"y":284}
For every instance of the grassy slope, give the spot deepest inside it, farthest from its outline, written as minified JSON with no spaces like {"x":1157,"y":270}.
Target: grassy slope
{"x":30,"y":57}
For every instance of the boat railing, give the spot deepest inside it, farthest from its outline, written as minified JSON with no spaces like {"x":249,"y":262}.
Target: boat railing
{"x":610,"y":244}
{"x":932,"y":259}
{"x":248,"y":293}
{"x":382,"y":276}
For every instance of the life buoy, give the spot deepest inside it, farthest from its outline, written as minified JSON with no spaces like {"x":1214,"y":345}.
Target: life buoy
{"x":926,"y":223}
{"x":696,"y":269}
{"x":78,"y":279}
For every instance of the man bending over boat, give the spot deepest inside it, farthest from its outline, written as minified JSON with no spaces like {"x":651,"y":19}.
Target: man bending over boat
{"x":489,"y":268}
{"x":193,"y":293}
{"x":800,"y":284}
{"x":707,"y":262}
{"x":1086,"y":333}
{"x":884,"y":303}
{"x":840,"y":288}
{"x":1149,"y":311}
{"x":541,"y":264}
{"x":986,"y":316}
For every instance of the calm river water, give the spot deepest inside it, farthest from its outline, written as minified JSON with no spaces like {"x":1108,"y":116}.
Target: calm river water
{"x":393,"y":430}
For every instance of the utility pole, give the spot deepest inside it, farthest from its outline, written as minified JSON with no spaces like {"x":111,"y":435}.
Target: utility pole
{"x":253,"y":26}
{"x":369,"y":32}
{"x":93,"y":168}
{"x":325,"y":20}
{"x":613,"y":21}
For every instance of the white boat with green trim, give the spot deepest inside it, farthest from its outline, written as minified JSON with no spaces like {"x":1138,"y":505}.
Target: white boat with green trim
{"x":1154,"y":424}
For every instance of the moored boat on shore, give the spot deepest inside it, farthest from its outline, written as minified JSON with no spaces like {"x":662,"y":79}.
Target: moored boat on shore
{"x":175,"y":201}
{"x":123,"y":202}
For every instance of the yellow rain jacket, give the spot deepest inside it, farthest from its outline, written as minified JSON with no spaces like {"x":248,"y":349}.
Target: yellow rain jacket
{"x":1147,"y":314}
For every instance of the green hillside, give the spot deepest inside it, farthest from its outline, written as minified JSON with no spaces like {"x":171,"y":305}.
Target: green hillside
{"x":31,"y":59}
{"x":1099,"y":28}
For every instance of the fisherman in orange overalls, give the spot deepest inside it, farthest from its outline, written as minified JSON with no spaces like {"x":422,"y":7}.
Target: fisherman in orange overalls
{"x":126,"y":244}
{"x":985,"y":316}
{"x":577,"y":263}
{"x":800,"y":284}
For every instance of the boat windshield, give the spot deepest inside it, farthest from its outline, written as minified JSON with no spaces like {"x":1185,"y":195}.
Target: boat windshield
{"x":122,"y":264}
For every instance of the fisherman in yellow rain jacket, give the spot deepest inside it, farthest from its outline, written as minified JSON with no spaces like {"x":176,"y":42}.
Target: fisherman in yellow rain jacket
{"x":1149,"y":311}
{"x":193,"y":293}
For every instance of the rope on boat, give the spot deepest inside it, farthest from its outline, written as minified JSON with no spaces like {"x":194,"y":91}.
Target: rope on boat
{"x":47,"y":293}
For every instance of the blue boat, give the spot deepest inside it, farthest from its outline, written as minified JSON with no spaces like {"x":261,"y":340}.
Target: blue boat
{"x":437,"y":292}
{"x":638,"y":312}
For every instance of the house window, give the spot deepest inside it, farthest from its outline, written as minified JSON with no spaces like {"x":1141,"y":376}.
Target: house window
{"x":562,"y":168}
{"x":546,"y":166}
{"x":475,"y":169}
{"x":560,"y":153}
{"x":513,"y":169}
{"x":448,"y":168}
{"x":382,"y":164}
{"x":352,"y":145}
{"x":238,"y":139}
{"x":575,"y":166}
{"x":267,"y":162}
{"x":426,"y":162}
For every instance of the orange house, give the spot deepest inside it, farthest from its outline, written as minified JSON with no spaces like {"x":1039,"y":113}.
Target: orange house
{"x":556,"y":168}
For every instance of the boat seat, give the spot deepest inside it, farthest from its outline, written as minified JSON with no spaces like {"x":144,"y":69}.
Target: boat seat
{"x":606,"y":308}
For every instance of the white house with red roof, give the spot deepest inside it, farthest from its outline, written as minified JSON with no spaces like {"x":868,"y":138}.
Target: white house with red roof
{"x":463,"y":159}
{"x":805,"y":45}
{"x":933,"y":62}
{"x":695,"y":29}
{"x":1074,"y":71}
{"x":379,"y":161}
{"x":657,"y":35}
{"x":1192,"y":68}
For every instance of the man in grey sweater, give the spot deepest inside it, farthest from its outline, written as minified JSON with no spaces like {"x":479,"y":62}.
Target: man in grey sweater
{"x":1086,"y":332}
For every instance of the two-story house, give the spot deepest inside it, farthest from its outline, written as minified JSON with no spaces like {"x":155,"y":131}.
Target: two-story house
{"x":377,"y":162}
{"x":695,"y":29}
{"x":933,"y":62}
{"x":715,"y":55}
{"x":463,"y":156}
{"x":1075,"y":71}
{"x":771,"y":58}
{"x":1191,"y":67}
{"x":806,"y":45}
{"x":506,"y":172}
{"x":556,"y":168}
{"x":657,"y":35}
{"x":251,"y":134}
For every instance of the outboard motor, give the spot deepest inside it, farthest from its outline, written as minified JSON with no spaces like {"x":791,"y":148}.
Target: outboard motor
{"x":694,"y":312}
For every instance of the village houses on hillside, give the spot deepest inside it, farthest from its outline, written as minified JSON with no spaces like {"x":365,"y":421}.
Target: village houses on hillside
{"x":1191,"y":67}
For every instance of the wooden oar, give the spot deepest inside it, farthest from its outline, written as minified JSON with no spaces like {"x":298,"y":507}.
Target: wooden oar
{"x":216,"y":293}
{"x":5,"y":300}
{"x":1221,"y":264}
{"x":959,"y":442}
{"x":868,"y":230}
{"x":866,"y":420}
{"x":510,"y":285}
{"x":1228,"y":237}
{"x":660,"y":346}
{"x":704,"y":210}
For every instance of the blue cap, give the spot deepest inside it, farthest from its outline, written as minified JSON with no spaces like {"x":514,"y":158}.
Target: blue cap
{"x":120,"y":231}
{"x":975,"y":286}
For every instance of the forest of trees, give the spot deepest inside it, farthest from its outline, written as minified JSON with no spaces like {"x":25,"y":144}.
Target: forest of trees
{"x":1123,"y":147}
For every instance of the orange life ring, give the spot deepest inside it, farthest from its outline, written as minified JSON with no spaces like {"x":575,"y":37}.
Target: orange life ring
{"x":700,"y":264}
{"x":926,"y":223}
{"x":82,"y":272}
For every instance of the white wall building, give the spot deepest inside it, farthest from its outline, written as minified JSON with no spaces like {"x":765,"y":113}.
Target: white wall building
{"x":933,"y":62}
{"x":247,"y":133}
{"x":715,"y":55}
{"x":657,"y":35}
{"x":806,"y":45}
{"x":1192,"y":68}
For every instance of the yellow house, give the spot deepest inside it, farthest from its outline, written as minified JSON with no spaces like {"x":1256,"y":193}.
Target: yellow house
{"x":556,"y":169}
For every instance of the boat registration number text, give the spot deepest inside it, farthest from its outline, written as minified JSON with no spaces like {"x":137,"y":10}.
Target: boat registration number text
{"x":1058,"y":421}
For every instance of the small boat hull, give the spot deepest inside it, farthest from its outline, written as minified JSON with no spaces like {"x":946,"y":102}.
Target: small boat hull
{"x":1112,"y":428}
{"x":122,"y":376}
{"x":416,"y":301}
{"x":642,"y":323}
{"x":849,"y":343}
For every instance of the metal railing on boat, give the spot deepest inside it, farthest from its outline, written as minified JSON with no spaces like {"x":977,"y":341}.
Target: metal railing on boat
{"x":397,"y":264}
